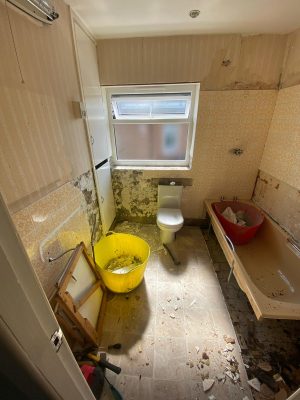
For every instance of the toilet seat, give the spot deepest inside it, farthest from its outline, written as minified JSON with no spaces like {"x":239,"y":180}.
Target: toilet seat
{"x":169,"y":218}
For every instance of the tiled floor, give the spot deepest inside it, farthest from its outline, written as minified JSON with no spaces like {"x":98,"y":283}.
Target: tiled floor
{"x":274,"y":341}
{"x":165,"y":325}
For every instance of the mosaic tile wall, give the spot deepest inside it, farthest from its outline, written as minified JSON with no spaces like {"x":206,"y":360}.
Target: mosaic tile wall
{"x":226,"y":119}
{"x":58,"y":222}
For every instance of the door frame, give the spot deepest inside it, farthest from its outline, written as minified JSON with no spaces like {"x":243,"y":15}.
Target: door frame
{"x":27,"y":322}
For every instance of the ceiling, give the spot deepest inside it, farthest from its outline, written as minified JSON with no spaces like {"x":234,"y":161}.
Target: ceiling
{"x":129,"y":18}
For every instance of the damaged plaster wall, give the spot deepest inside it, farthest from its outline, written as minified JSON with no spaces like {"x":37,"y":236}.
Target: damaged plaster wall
{"x":280,"y":200}
{"x":278,"y":185}
{"x":57,"y":222}
{"x":219,"y":62}
{"x":226,"y":119}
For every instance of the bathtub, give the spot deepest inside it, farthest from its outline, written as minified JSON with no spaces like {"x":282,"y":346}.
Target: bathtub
{"x":267,"y":268}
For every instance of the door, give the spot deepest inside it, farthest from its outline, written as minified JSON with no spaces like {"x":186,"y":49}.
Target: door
{"x":95,"y":112}
{"x":27,"y":324}
{"x":105,"y":195}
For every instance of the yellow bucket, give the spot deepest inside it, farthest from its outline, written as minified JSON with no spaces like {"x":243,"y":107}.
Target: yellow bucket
{"x":118,"y":245}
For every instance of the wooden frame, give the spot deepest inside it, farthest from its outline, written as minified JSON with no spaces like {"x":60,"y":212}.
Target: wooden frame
{"x":81,"y":330}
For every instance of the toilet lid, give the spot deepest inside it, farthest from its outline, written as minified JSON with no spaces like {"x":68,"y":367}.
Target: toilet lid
{"x":169,"y":216}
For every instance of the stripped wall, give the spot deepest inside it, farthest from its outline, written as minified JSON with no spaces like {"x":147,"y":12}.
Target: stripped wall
{"x":229,"y":115}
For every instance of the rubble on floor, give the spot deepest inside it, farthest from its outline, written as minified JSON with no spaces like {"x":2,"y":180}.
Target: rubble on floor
{"x":270,"y":348}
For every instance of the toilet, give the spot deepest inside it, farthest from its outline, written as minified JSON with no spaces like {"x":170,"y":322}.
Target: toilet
{"x":169,"y":217}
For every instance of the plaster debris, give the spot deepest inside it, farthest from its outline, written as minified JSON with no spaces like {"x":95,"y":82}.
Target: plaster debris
{"x":229,"y":347}
{"x":207,"y":384}
{"x":176,"y":308}
{"x":172,"y":316}
{"x":255,"y":384}
{"x":140,"y":350}
{"x":191,"y":364}
{"x":229,"y":339}
{"x":169,"y":299}
{"x":197,"y":348}
{"x":193,"y":302}
{"x":205,"y":355}
{"x":178,"y":298}
{"x":211,"y":397}
{"x":246,"y":398}
{"x":265,"y":366}
{"x":220,"y":377}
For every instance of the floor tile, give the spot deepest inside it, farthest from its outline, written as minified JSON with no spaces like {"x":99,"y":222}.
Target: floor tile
{"x":170,"y":357}
{"x":175,"y":390}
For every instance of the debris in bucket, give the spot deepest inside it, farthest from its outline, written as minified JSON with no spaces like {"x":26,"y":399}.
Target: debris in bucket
{"x":123,"y":264}
{"x":236,"y":218}
{"x":116,"y":346}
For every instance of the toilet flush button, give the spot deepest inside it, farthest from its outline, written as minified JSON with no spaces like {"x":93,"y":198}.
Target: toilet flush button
{"x":172,"y":183}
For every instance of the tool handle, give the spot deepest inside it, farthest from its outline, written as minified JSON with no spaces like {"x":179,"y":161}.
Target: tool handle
{"x":110,"y":366}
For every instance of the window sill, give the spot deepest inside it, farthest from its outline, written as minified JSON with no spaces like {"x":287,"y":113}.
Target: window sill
{"x":149,"y":168}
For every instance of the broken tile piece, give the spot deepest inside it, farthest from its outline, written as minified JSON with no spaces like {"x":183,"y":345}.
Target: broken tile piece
{"x":265,"y":366}
{"x":255,"y":384}
{"x":220,"y":377}
{"x":229,"y":339}
{"x":207,"y":384}
{"x":229,"y":347}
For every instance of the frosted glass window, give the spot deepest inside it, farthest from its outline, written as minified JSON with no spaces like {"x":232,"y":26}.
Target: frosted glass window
{"x":155,"y":106}
{"x":151,"y":141}
{"x":153,"y":125}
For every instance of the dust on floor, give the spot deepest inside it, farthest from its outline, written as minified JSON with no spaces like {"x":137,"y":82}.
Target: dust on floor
{"x":269,"y":347}
{"x":178,"y":341}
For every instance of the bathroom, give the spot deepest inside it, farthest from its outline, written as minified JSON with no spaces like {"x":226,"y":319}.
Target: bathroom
{"x":243,"y":143}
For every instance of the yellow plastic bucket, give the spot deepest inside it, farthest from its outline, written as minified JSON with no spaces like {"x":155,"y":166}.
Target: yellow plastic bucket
{"x":117,"y":245}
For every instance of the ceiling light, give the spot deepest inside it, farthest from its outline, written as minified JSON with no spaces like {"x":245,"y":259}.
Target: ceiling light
{"x":194,"y":13}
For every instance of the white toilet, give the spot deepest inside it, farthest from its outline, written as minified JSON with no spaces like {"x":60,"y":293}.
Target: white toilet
{"x":169,"y":217}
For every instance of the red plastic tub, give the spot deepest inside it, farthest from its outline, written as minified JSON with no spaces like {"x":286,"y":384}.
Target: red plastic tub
{"x":239,"y":234}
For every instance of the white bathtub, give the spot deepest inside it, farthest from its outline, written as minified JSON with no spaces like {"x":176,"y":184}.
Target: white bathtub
{"x":267,"y":269}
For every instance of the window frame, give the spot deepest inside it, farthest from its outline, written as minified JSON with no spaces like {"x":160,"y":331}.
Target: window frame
{"x":191,"y":120}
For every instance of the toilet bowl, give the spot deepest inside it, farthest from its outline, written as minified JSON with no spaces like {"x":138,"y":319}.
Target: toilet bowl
{"x":169,"y":217}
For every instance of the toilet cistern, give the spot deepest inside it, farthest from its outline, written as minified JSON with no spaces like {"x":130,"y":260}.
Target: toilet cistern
{"x":169,"y":217}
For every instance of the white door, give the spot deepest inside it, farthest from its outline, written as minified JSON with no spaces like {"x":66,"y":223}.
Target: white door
{"x":105,"y":195}
{"x":96,"y":116}
{"x":27,"y":322}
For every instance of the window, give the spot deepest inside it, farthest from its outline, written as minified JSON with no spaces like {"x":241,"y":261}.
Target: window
{"x":153,"y":125}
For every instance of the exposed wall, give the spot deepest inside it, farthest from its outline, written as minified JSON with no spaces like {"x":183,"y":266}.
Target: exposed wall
{"x":43,"y":144}
{"x":55,"y":223}
{"x":226,"y":119}
{"x":278,"y":185}
{"x":217,"y":61}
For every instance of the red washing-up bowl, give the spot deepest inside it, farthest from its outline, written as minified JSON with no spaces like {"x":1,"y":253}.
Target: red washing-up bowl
{"x":239,"y":234}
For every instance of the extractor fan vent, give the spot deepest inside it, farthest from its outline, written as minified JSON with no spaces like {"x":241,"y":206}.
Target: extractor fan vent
{"x":42,"y":10}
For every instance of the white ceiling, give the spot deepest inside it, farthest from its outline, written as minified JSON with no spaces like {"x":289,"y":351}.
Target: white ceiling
{"x":127,"y":18}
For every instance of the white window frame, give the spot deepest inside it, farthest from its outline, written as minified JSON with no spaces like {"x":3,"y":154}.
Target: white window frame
{"x":191,"y":120}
